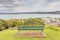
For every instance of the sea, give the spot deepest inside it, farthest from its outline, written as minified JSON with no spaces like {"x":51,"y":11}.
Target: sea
{"x":24,"y":16}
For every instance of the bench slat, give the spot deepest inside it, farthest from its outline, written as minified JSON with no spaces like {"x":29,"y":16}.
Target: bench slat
{"x":30,"y":28}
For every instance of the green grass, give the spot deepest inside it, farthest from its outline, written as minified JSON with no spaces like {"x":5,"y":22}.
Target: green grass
{"x":11,"y":35}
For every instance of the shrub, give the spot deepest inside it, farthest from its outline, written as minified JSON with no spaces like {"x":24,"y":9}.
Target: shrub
{"x":52,"y":27}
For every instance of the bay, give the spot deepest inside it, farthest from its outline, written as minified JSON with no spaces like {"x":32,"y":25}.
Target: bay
{"x":19,"y":16}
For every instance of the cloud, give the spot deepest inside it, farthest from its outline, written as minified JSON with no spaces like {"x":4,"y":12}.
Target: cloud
{"x":54,"y":6}
{"x":36,"y":6}
{"x":29,"y":5}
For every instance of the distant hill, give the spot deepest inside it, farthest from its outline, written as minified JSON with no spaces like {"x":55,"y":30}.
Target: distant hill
{"x":55,"y":12}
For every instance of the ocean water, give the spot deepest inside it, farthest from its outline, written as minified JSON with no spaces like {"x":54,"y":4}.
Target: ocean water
{"x":18,"y":16}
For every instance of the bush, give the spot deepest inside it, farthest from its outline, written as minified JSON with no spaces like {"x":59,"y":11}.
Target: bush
{"x":52,"y":27}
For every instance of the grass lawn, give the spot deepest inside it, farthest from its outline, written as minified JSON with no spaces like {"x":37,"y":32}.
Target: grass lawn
{"x":11,"y":35}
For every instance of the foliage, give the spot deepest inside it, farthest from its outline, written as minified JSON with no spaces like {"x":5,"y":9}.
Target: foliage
{"x":4,"y":24}
{"x":34,"y":21}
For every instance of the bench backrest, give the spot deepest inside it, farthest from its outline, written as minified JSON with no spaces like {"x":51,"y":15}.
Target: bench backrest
{"x":30,"y":27}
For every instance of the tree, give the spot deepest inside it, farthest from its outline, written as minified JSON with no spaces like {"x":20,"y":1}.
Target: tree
{"x":3,"y":24}
{"x":18,"y":23}
{"x":34,"y":21}
{"x":9,"y":23}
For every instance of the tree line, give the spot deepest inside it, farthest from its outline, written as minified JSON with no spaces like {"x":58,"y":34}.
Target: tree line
{"x":5,"y":24}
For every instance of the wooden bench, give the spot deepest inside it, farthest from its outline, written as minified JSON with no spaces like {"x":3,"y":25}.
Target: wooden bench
{"x":41,"y":28}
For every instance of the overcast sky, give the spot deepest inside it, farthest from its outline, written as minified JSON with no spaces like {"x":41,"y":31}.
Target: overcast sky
{"x":29,"y":5}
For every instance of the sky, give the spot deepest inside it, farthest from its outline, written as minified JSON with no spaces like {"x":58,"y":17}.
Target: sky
{"x":29,"y":5}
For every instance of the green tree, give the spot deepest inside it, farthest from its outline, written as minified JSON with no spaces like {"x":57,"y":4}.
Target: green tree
{"x":3,"y":24}
{"x":34,"y":21}
{"x":9,"y":23}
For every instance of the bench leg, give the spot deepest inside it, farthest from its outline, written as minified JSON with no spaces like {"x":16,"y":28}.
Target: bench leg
{"x":41,"y":33}
{"x":18,"y":34}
